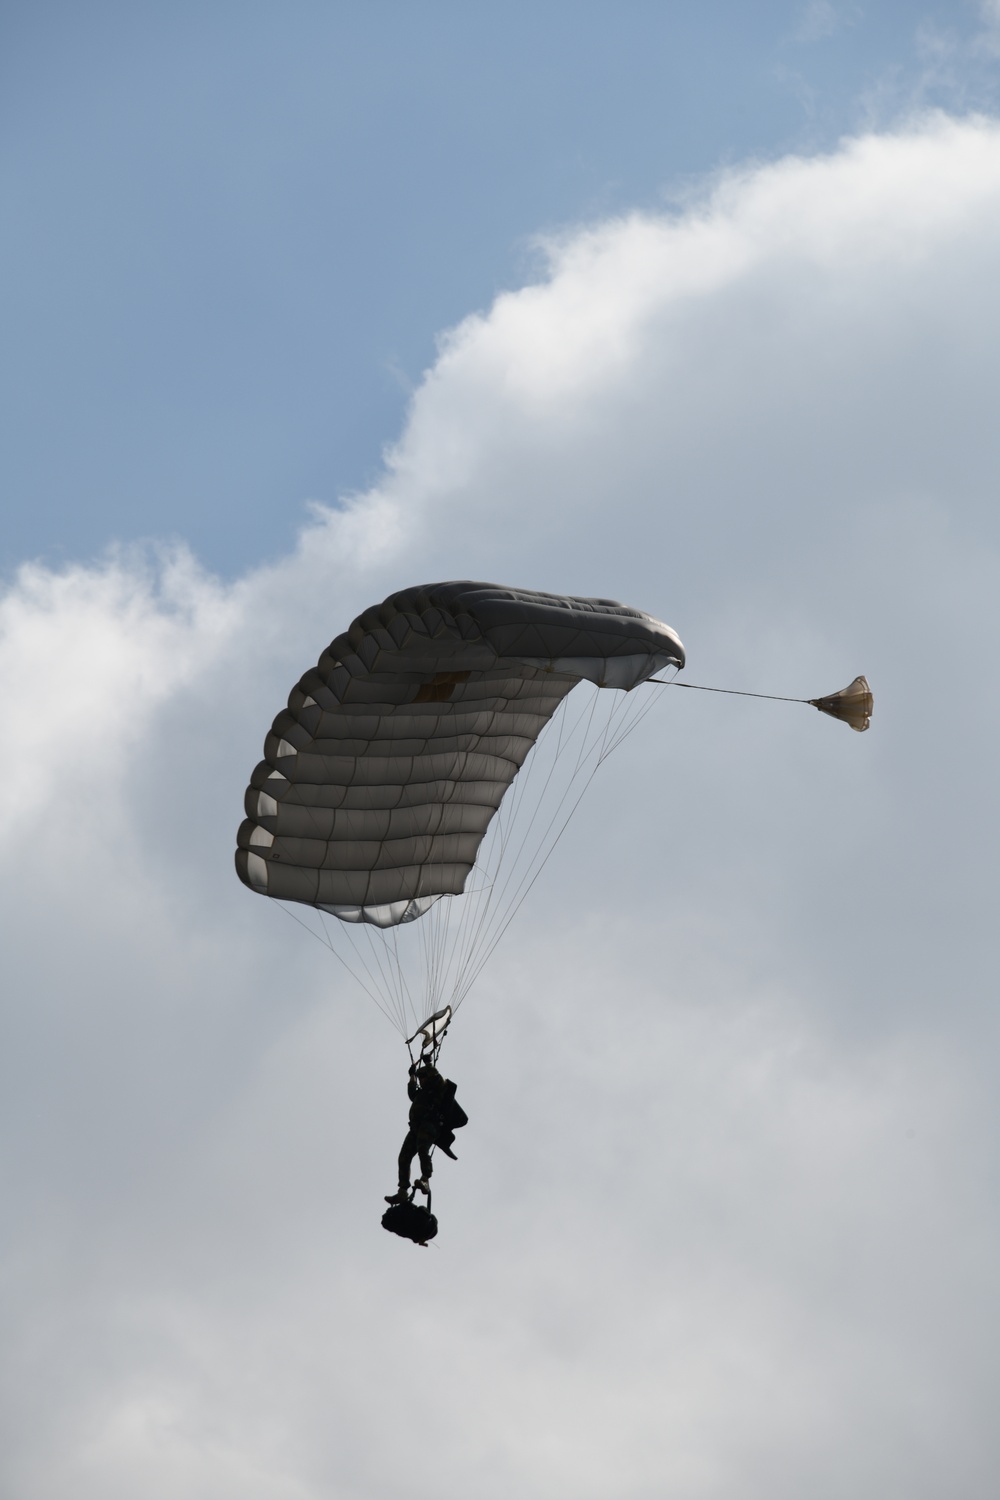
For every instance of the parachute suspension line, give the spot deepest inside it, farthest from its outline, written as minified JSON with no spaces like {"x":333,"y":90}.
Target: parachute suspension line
{"x":382,"y":956}
{"x":371,"y":993}
{"x":526,"y":776}
{"x":383,"y":982}
{"x":602,"y":749}
{"x":475,"y":903}
{"x":395,"y":1013}
{"x":582,"y":752}
{"x":390,"y":982}
{"x":428,"y":934}
{"x":385,"y":989}
{"x":448,"y":945}
{"x":524,"y":872}
{"x":388,"y":966}
{"x":629,"y":712}
{"x":512,"y":823}
{"x":433,"y":943}
{"x":502,"y":831}
{"x":371,"y":988}
{"x":493,"y":924}
{"x":380,"y":945}
{"x":434,"y":928}
{"x":370,"y":962}
{"x":635,"y":710}
{"x":441,"y":936}
{"x":475,"y":911}
{"x":439,"y":948}
{"x":399,"y":968}
{"x":507,"y":916}
{"x":444,"y":949}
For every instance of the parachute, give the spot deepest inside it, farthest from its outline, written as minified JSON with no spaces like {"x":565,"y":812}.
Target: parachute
{"x":386,"y":772}
{"x":853,"y":704}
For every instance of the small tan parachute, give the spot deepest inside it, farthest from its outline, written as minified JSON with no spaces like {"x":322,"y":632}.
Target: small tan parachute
{"x":853,"y":704}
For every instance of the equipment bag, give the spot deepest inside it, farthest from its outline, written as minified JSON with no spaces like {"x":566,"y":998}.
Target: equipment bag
{"x":410,"y":1220}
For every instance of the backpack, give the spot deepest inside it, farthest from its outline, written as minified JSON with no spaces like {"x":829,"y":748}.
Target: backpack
{"x":410,"y":1220}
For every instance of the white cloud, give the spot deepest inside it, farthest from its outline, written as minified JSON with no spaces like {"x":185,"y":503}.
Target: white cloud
{"x":739,"y":1242}
{"x":89,"y":652}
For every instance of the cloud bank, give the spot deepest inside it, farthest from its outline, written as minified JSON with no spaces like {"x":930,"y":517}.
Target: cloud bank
{"x":725,"y":1222}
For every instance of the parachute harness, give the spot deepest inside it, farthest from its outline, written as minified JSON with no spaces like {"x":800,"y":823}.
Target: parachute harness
{"x":433,"y":1031}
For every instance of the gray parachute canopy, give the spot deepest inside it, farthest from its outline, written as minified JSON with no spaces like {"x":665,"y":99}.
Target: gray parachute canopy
{"x":381,"y":777}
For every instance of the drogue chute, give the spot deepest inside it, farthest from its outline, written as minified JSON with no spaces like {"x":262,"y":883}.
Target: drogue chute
{"x":853,"y":704}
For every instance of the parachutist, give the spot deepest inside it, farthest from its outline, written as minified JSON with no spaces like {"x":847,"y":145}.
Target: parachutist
{"x":382,"y":776}
{"x":435,"y":1115}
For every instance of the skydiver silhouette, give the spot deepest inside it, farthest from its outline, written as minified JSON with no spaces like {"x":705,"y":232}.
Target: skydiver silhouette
{"x":435,"y":1115}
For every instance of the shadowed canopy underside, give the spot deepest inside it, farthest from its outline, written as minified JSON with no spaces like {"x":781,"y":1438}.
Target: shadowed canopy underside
{"x":381,"y":776}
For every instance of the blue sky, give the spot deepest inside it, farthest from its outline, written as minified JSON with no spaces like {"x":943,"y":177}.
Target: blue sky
{"x":236,"y":230}
{"x":694,"y":307}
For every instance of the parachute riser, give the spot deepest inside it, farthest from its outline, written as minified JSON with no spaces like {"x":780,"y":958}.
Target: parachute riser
{"x":433,"y":1030}
{"x":427,"y":1054}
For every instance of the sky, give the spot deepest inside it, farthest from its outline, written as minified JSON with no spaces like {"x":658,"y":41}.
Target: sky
{"x":236,"y":231}
{"x":696,"y":308}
